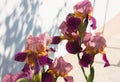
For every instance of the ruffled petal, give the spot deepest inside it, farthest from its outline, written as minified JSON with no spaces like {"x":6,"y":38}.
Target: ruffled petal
{"x":61,"y":67}
{"x":84,"y":7}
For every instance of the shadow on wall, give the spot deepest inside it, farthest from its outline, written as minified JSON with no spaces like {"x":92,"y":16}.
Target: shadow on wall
{"x":20,"y":24}
{"x":54,"y":31}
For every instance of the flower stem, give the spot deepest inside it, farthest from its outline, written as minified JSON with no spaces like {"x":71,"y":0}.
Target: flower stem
{"x":91,"y":75}
{"x":83,"y":70}
{"x":84,"y":73}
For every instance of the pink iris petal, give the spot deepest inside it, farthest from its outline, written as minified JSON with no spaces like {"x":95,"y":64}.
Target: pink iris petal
{"x":21,"y":56}
{"x":73,"y":47}
{"x":63,"y":27}
{"x":98,"y":42}
{"x":8,"y":78}
{"x":38,"y":43}
{"x":61,"y":66}
{"x":87,"y":38}
{"x":13,"y":77}
{"x":45,"y":38}
{"x":93,"y":25}
{"x":83,"y":7}
{"x":68,"y":79}
{"x":105,"y":60}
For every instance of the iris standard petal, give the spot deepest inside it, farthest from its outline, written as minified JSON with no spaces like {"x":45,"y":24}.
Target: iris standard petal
{"x":73,"y":24}
{"x":84,"y":7}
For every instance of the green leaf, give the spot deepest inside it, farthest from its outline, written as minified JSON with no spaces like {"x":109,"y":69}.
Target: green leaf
{"x":22,"y":80}
{"x":91,"y":76}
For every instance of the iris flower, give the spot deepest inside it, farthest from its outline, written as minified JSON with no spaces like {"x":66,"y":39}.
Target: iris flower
{"x":83,"y":8}
{"x":36,"y":52}
{"x":69,"y":29}
{"x":61,"y":68}
{"x":94,"y":44}
{"x":70,"y":26}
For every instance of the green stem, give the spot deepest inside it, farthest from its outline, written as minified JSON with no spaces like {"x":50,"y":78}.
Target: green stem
{"x":84,"y":73}
{"x":91,"y":75}
{"x":83,"y":70}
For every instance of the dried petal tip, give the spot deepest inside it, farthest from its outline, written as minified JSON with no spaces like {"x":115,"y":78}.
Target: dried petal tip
{"x":93,"y":25}
{"x":105,"y":60}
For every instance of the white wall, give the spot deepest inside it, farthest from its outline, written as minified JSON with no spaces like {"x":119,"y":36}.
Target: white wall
{"x":20,"y":18}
